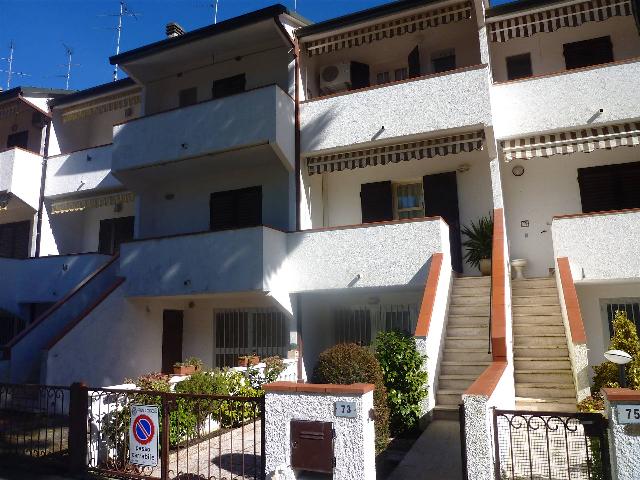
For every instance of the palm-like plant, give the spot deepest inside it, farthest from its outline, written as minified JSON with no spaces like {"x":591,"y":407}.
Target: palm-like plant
{"x":479,"y":240}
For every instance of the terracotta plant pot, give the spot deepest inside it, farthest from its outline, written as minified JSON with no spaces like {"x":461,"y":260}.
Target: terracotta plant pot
{"x":292,"y":355}
{"x":185,"y":370}
{"x":248,"y":361}
{"x":485,"y":267}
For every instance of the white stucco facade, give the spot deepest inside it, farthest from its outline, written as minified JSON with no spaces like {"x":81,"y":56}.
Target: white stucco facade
{"x":20,"y":173}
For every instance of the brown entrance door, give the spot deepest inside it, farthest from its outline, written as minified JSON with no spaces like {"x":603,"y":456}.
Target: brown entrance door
{"x":171,"y":339}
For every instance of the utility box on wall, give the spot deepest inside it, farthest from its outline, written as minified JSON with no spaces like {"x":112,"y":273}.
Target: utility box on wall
{"x":312,"y":446}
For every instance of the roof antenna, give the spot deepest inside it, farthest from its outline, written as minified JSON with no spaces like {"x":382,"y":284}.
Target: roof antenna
{"x":10,"y":73}
{"x":69,"y":51}
{"x":124,"y":12}
{"x":215,"y":12}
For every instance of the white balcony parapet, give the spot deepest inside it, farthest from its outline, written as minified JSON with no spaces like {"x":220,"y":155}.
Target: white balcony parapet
{"x":80,"y":171}
{"x":599,"y":95}
{"x":601,"y":247}
{"x":416,"y":107}
{"x":259,"y":116}
{"x":20,"y":173}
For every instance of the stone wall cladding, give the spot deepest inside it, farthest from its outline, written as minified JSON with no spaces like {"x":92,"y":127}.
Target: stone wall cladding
{"x":624,"y":440}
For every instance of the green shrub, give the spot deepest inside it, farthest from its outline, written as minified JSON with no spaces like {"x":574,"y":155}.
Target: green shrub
{"x":273,"y":367}
{"x":404,"y":378}
{"x":625,"y":337}
{"x":349,"y":363}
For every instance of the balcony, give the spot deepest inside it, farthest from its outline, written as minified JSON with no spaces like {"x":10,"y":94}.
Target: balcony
{"x":20,"y":173}
{"x":80,"y":171}
{"x":244,"y":260}
{"x":261,"y":116}
{"x":600,"y":246}
{"x":261,"y":259}
{"x":426,"y":104}
{"x":567,"y":99}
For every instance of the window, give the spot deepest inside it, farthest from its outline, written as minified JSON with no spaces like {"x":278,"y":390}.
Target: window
{"x":588,"y":52}
{"x":14,"y":239}
{"x":188,"y":96}
{"x":519,"y":66}
{"x":264,"y":332}
{"x":408,"y":200}
{"x":229,"y":86}
{"x":609,"y":187}
{"x":361,"y":323}
{"x":236,"y":208}
{"x":401,"y":74}
{"x":631,"y":306}
{"x":113,"y":233}
{"x":383,"y":77}
{"x":443,"y":61}
{"x":19,"y":139}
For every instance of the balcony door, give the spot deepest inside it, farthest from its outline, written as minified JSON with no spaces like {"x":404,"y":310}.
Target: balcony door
{"x":240,"y":208}
{"x":609,"y":187}
{"x":14,"y":239}
{"x":113,"y":233}
{"x":172,"y":324}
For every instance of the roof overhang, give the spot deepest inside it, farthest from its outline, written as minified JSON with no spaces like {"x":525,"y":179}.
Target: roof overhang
{"x":93,"y":93}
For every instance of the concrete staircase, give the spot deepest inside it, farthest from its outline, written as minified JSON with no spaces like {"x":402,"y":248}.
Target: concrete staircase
{"x":543,"y":377}
{"x":466,"y":344}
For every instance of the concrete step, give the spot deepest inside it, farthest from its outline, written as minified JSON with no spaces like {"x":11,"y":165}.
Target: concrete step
{"x":532,"y":318}
{"x":446,"y":412}
{"x":525,"y":375}
{"x":553,"y":309}
{"x":545,"y":405}
{"x":550,"y":362}
{"x":535,"y":299}
{"x":449,"y":397}
{"x":460,"y":320}
{"x":535,"y":282}
{"x":518,"y":290}
{"x":467,"y":354}
{"x":469,"y":330}
{"x":458,"y":299}
{"x":467,"y":342}
{"x":469,"y":309}
{"x":455,"y":382}
{"x":476,"y":290}
{"x":540,"y":340}
{"x":534,"y":328}
{"x":471,"y":281}
{"x":560,"y":391}
{"x":462,"y":368}
{"x":540,"y":351}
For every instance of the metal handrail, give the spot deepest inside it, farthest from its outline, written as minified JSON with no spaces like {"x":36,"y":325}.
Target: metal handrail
{"x":490,"y":307}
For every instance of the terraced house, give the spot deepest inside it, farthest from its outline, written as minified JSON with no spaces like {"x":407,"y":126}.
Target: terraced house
{"x":273,"y":186}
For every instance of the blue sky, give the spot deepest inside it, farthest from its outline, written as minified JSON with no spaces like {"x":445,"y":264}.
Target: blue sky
{"x":39,"y":28}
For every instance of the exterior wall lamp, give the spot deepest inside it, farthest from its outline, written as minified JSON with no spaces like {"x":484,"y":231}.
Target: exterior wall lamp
{"x":620,"y":358}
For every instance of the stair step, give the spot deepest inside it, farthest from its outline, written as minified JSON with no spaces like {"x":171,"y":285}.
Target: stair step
{"x":471,"y":281}
{"x":466,"y":342}
{"x":446,"y":412}
{"x":517,"y":290}
{"x":476,"y":290}
{"x":540,"y":340}
{"x":518,"y":300}
{"x":457,"y":299}
{"x":540,"y":351}
{"x":544,"y":405}
{"x":462,"y":368}
{"x":533,"y":328}
{"x":449,"y":397}
{"x":542,"y":376}
{"x":455,"y":382}
{"x":470,"y":330}
{"x":469,"y":309}
{"x":473,"y":354}
{"x":542,"y":363}
{"x":537,"y":309}
{"x":531,"y":282}
{"x":548,"y":391}
{"x":460,"y":320}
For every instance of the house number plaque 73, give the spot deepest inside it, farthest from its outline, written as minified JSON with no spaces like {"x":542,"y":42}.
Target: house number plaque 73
{"x":346,"y":409}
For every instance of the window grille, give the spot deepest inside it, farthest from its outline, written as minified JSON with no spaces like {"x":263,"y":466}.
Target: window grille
{"x":361,"y":324}
{"x":263,"y":332}
{"x":629,"y":305}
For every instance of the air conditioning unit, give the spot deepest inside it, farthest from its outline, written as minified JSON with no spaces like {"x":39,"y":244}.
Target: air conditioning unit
{"x":335,"y":78}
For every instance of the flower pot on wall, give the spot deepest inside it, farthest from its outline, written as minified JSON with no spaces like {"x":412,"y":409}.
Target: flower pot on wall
{"x":184,"y":370}
{"x":485,"y":267}
{"x":248,"y":361}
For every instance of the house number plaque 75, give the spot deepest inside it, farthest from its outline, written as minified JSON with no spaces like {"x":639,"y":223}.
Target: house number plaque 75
{"x":628,"y":414}
{"x":346,"y":409}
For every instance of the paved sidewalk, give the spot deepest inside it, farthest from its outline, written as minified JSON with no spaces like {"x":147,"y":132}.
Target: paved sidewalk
{"x":435,"y":455}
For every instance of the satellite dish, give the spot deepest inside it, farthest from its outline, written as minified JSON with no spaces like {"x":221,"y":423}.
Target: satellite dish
{"x":619,"y":357}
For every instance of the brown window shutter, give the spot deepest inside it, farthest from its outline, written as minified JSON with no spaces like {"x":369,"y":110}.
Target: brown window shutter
{"x":377,"y":202}
{"x":236,"y":208}
{"x":609,"y":187}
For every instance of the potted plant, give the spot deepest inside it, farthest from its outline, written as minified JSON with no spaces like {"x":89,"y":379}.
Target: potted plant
{"x":188,"y":367}
{"x":292,"y":354}
{"x":248,"y":360}
{"x":479,"y":243}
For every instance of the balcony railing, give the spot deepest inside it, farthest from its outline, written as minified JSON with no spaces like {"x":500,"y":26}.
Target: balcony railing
{"x":20,"y":173}
{"x":421,"y":105}
{"x":600,"y":246}
{"x":598,"y":94}
{"x":259,"y":116}
{"x":80,"y":171}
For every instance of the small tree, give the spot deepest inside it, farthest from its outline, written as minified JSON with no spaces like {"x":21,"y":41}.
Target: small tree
{"x":404,"y":378}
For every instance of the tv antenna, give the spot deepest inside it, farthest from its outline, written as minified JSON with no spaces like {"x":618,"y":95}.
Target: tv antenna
{"x":125,"y":11}
{"x":10,"y":72}
{"x":68,"y":65}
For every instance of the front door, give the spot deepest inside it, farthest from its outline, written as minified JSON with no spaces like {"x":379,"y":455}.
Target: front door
{"x":441,"y":199}
{"x":171,"y":339}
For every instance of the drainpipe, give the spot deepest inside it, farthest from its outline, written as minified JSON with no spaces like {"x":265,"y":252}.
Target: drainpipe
{"x":296,"y":52}
{"x":43,"y":178}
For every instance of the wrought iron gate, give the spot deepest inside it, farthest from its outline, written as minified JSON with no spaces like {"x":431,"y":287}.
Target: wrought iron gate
{"x":550,"y":445}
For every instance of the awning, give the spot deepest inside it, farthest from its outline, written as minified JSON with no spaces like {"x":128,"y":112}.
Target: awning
{"x":394,"y":28}
{"x":396,"y":153}
{"x":100,"y":106}
{"x":92,"y":202}
{"x":556,"y":18}
{"x":585,"y":140}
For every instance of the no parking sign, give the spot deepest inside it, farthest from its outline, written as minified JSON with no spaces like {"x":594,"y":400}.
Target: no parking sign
{"x":143,"y":435}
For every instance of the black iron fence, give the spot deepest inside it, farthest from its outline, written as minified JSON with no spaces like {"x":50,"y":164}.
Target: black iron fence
{"x":34,"y":423}
{"x":80,"y":428}
{"x":550,"y":445}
